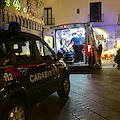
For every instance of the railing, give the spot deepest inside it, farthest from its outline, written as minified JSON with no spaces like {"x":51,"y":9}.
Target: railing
{"x":49,"y":21}
{"x":96,"y":18}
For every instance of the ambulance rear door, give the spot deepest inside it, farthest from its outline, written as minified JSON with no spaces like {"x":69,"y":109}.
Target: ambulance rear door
{"x":49,"y":37}
{"x":91,"y":52}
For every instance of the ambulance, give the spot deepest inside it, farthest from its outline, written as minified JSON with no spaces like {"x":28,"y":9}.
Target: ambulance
{"x":58,"y":38}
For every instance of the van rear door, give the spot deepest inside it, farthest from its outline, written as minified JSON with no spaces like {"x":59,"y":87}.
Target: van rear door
{"x":49,"y":37}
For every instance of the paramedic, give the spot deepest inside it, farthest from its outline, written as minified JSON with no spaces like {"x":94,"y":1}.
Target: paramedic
{"x":76,"y":46}
{"x":99,"y":52}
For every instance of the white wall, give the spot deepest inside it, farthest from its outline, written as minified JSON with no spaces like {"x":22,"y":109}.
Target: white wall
{"x":65,"y":11}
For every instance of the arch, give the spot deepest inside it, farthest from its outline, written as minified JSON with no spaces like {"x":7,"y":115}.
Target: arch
{"x":100,"y":32}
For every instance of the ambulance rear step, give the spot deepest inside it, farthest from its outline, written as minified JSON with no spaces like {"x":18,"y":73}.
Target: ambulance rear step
{"x":80,"y":67}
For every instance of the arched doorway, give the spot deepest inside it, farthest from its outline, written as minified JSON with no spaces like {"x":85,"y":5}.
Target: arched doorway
{"x":102,"y":36}
{"x":100,"y":33}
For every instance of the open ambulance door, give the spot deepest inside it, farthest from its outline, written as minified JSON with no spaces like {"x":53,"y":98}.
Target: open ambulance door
{"x":49,"y":37}
{"x":91,"y":47}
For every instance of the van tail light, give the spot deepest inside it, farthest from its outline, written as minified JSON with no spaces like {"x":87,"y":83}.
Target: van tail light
{"x":89,"y":49}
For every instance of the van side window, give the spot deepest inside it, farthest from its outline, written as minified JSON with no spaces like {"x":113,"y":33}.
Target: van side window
{"x":23,"y":50}
{"x":44,"y":51}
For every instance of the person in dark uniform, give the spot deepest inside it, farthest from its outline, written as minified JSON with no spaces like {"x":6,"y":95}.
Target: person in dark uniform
{"x":77,"y":47}
{"x":99,"y":52}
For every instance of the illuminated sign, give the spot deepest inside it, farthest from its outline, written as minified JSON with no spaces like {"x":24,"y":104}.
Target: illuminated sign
{"x":16,"y":4}
{"x":7,"y":2}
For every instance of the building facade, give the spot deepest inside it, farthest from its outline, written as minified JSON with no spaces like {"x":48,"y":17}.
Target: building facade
{"x":103,"y":14}
{"x":28,"y":13}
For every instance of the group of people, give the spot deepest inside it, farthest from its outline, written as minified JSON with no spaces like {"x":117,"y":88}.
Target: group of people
{"x":78,"y":47}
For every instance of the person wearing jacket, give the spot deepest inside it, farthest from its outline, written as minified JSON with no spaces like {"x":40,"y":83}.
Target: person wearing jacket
{"x":76,"y":40}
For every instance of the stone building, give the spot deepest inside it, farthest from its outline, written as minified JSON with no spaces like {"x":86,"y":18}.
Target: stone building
{"x":28,"y":13}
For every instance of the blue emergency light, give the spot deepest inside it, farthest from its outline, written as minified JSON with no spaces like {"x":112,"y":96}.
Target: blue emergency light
{"x":14,"y":26}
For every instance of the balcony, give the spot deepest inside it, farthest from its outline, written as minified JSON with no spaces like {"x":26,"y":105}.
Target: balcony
{"x":49,"y":21}
{"x":96,"y":18}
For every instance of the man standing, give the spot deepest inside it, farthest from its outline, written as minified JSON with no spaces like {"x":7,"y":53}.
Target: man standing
{"x":76,"y":46}
{"x":99,"y":52}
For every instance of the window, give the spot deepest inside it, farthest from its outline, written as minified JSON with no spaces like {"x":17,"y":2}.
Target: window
{"x":44,"y":51}
{"x":95,"y":12}
{"x":78,"y":11}
{"x":50,"y":41}
{"x":23,"y":49}
{"x":48,"y":16}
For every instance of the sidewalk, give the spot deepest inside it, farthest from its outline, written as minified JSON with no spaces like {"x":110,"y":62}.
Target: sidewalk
{"x":108,"y":64}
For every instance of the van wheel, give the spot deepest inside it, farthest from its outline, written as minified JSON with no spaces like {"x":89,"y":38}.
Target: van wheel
{"x":15,"y":111}
{"x":65,"y":88}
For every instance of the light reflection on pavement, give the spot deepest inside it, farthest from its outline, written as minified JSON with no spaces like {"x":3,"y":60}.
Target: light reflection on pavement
{"x":92,"y":97}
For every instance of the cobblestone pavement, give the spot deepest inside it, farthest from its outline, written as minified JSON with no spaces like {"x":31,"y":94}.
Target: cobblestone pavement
{"x":92,"y":97}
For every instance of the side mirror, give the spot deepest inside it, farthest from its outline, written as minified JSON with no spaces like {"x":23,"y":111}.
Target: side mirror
{"x":59,"y":55}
